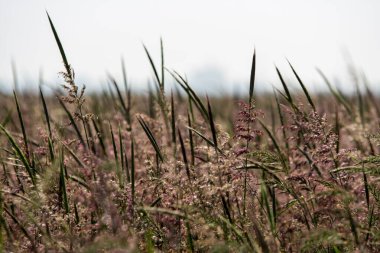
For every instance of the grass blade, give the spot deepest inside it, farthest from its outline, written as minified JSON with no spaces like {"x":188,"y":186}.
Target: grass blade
{"x":124,"y":76}
{"x":73,"y":123}
{"x":62,"y":52}
{"x":76,"y":158}
{"x":99,"y":134}
{"x":303,"y":87}
{"x":370,"y":221}
{"x":264,"y":200}
{"x":288,"y":96}
{"x":22,"y":126}
{"x":150,"y":137}
{"x":190,"y":240}
{"x":153,"y":67}
{"x":252,"y":78}
{"x":191,"y":140}
{"x":77,"y":220}
{"x":352,"y":224}
{"x":361,"y":105}
{"x":47,"y":118}
{"x":206,"y":139}
{"x":366,"y":187}
{"x":369,"y":94}
{"x":121,"y":100}
{"x":277,"y":147}
{"x":162,"y":67}
{"x":121,"y":148}
{"x":23,"y":229}
{"x":339,"y":97}
{"x":337,"y":130}
{"x":173,"y":120}
{"x":133,"y":171}
{"x":115,"y":154}
{"x":191,"y":93}
{"x":183,"y":150}
{"x":20,"y":154}
{"x":46,"y":112}
{"x":212,"y":126}
{"x":62,"y":183}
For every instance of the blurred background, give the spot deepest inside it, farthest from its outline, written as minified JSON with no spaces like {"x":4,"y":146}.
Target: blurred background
{"x":210,"y":41}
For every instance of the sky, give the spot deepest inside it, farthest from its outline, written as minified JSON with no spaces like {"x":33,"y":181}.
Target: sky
{"x":211,"y":42}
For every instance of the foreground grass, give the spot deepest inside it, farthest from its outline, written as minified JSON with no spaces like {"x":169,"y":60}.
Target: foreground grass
{"x":122,"y":172}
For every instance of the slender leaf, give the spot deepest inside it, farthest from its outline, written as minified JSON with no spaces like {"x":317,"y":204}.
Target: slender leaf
{"x":303,"y":87}
{"x":150,"y":137}
{"x":252,"y":78}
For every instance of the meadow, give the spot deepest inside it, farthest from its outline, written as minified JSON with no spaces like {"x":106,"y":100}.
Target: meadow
{"x":117,"y":171}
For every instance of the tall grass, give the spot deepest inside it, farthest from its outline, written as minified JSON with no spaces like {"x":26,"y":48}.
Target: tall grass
{"x":297,"y":172}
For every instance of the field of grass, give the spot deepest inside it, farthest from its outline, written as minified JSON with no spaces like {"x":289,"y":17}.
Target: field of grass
{"x":123,"y":172}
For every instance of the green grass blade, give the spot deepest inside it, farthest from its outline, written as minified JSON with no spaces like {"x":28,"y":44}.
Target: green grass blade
{"x":73,"y":123}
{"x":76,"y":158}
{"x":303,"y":87}
{"x":127,"y":170}
{"x":287,"y":92}
{"x":191,"y":93}
{"x":311,"y":163}
{"x":121,"y":148}
{"x":151,"y":110}
{"x":150,"y":137}
{"x":269,"y":210}
{"x":62,"y":183}
{"x":226,"y":209}
{"x":370,"y":221}
{"x":162,"y":66}
{"x":124,"y":72}
{"x":121,"y":100}
{"x":338,"y":96}
{"x":46,"y":112}
{"x":90,"y":136}
{"x":47,"y":118}
{"x":80,"y":181}
{"x":366,"y":189}
{"x":212,"y":125}
{"x":369,"y":94}
{"x":211,"y":143}
{"x":23,"y":229}
{"x":190,"y":240}
{"x":77,"y":219}
{"x":63,"y":55}
{"x":352,"y":224}
{"x":22,"y":126}
{"x":113,"y":98}
{"x":20,"y":154}
{"x":252,"y":78}
{"x":337,"y":130}
{"x":100,"y":135}
{"x":164,"y":211}
{"x":153,"y":67}
{"x":360,"y":104}
{"x":191,"y":140}
{"x":277,"y":147}
{"x":183,"y":150}
{"x":173,"y":120}
{"x":51,"y":149}
{"x":133,"y":176}
{"x":115,"y":154}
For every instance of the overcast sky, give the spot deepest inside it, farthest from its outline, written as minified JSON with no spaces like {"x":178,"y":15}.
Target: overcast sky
{"x":210,"y":41}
